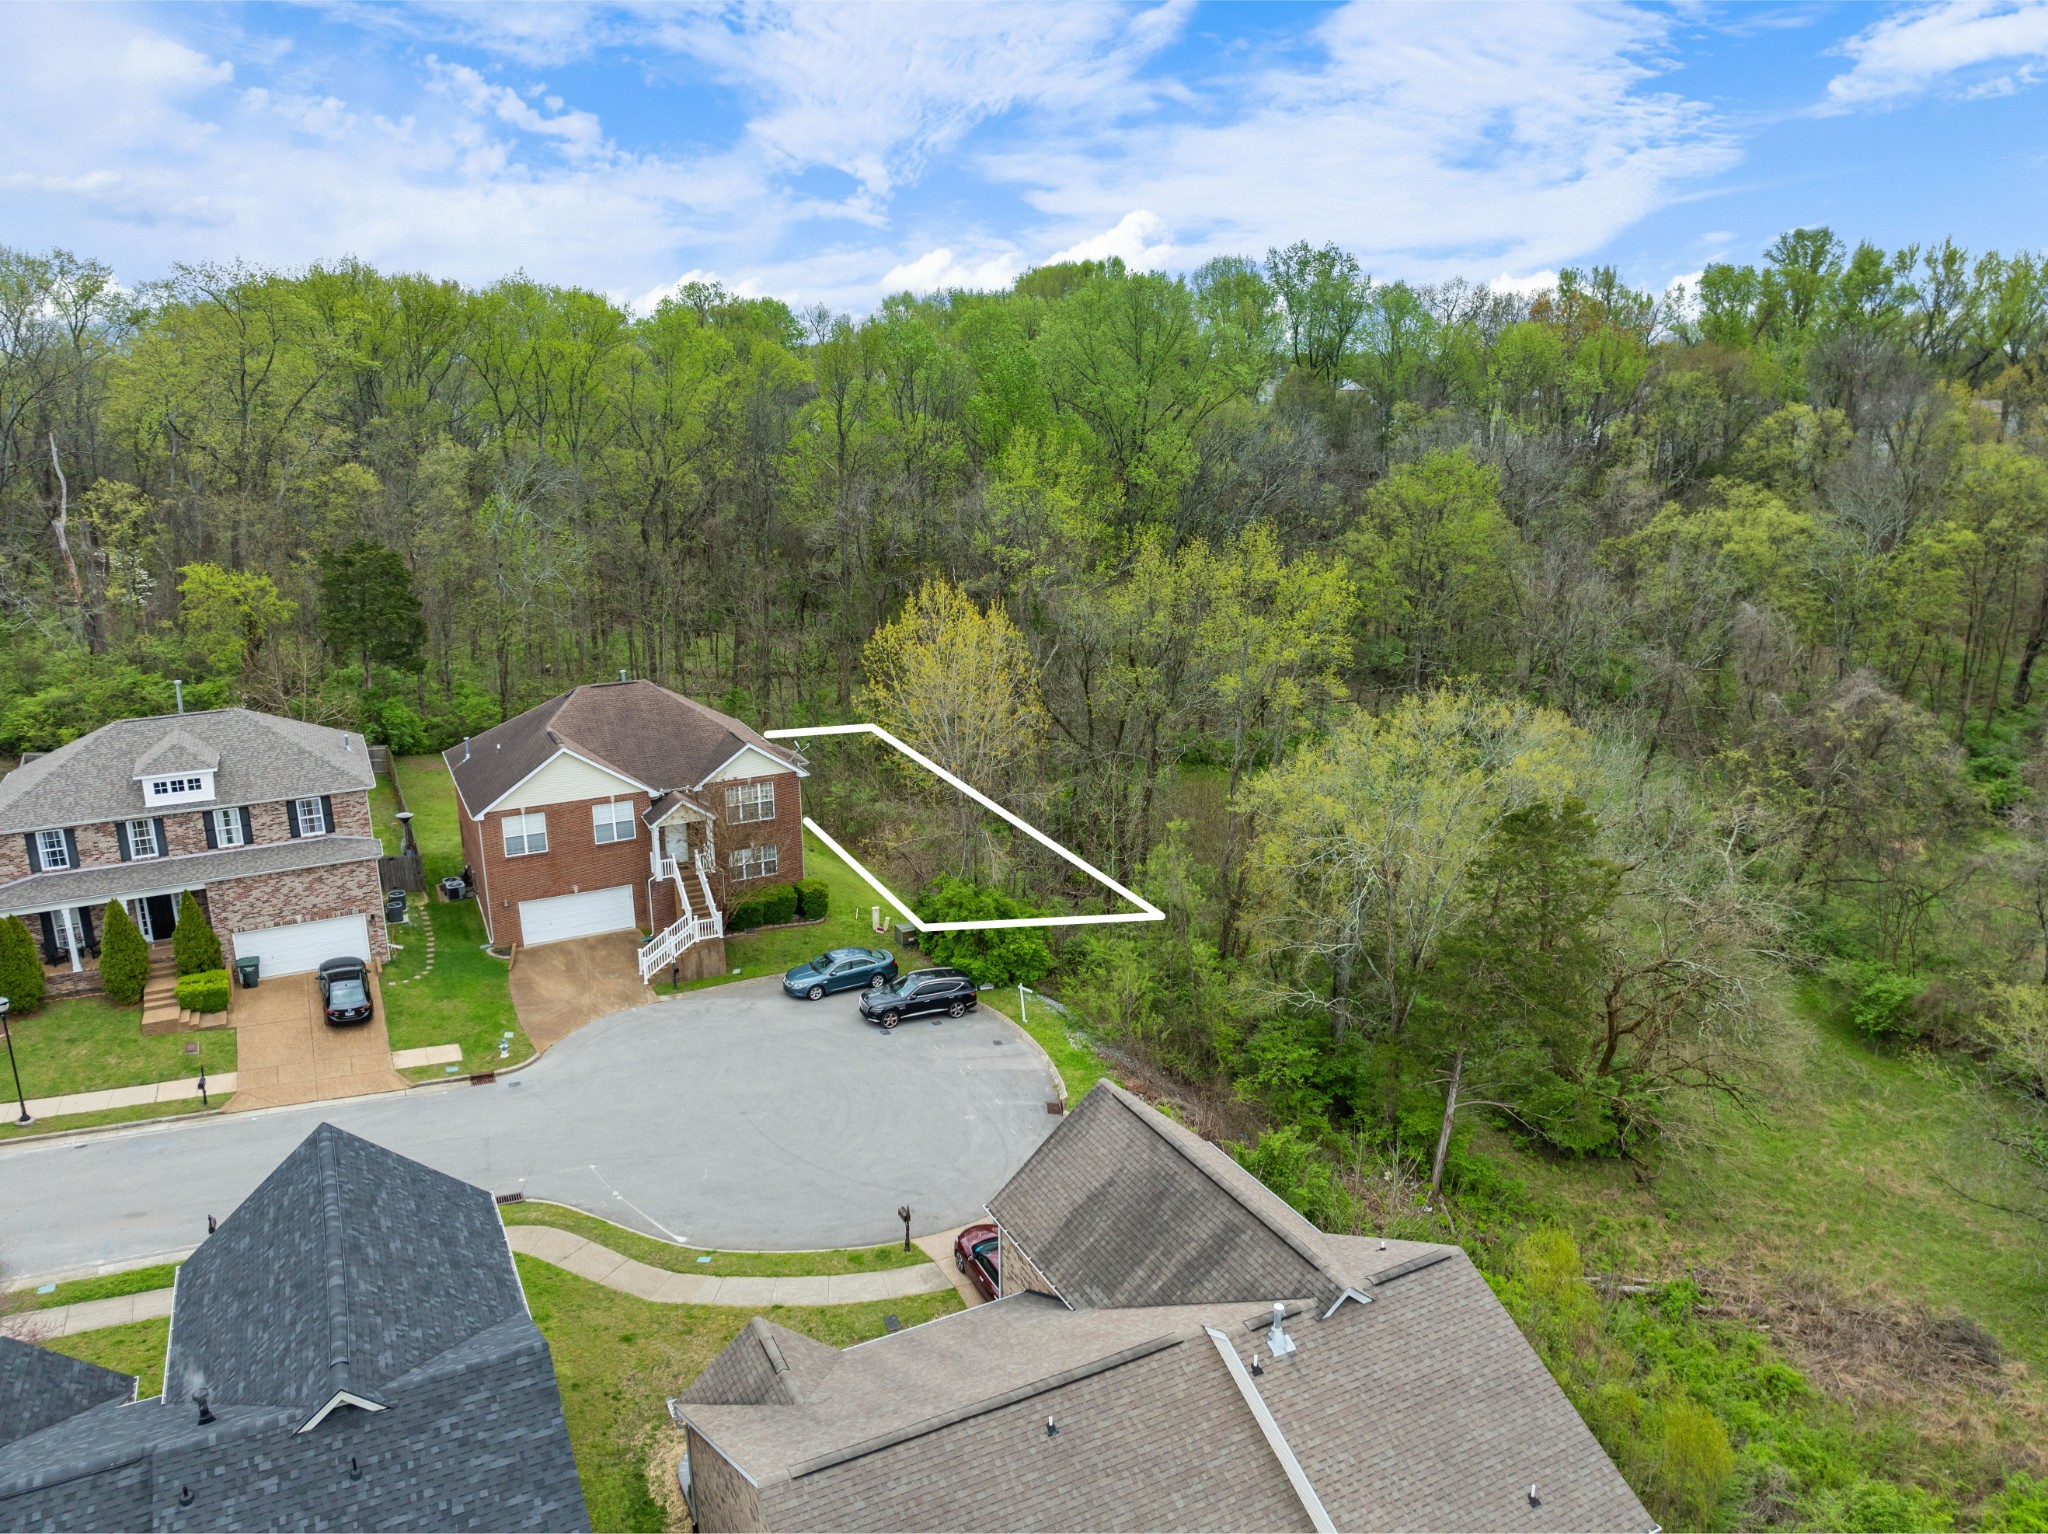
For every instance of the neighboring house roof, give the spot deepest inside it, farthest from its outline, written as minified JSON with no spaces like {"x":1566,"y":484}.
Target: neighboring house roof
{"x":39,"y":1388}
{"x":112,"y":881}
{"x":359,"y":1333}
{"x":654,"y":738}
{"x":1413,"y":1403}
{"x":259,"y":757}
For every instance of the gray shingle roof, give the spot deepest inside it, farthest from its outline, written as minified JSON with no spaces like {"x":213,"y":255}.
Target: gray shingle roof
{"x":349,"y":1267}
{"x":638,"y":728}
{"x":1418,"y":1406}
{"x":39,"y":1388}
{"x":1122,"y":1206}
{"x":262,"y":758}
{"x":179,"y":751}
{"x":107,"y":881}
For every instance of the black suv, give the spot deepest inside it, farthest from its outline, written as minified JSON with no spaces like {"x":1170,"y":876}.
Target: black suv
{"x":345,"y":991}
{"x":918,"y":994}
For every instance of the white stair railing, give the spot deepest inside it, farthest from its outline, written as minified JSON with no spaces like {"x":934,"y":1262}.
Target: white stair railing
{"x":688,"y":929}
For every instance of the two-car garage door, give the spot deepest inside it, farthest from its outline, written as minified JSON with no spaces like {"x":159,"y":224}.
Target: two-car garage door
{"x":305,"y":945}
{"x":583,"y":915}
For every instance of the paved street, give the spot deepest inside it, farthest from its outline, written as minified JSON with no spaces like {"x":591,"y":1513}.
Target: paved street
{"x":729,"y":1118}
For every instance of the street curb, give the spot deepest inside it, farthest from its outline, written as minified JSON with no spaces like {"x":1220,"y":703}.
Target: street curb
{"x":107,"y":1129}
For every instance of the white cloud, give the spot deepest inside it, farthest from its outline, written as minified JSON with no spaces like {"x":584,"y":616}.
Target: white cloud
{"x":648,"y":302}
{"x":939,"y":270}
{"x":1140,"y":239}
{"x":1994,"y":46}
{"x":1526,"y":287}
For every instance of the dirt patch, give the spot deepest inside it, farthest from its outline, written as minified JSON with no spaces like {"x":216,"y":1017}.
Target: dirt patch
{"x":669,"y":1446}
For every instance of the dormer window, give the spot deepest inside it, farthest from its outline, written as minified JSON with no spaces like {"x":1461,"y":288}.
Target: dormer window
{"x":178,"y":788}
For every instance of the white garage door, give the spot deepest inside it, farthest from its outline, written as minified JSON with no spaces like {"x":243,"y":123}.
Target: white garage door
{"x":306,"y":945}
{"x":567,"y":916}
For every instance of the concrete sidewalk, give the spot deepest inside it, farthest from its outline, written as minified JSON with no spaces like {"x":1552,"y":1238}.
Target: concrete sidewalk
{"x":174,"y":1091}
{"x":602,"y":1265}
{"x":88,"y":1316}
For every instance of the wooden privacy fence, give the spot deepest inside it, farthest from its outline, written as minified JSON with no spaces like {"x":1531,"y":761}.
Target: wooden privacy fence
{"x":403,"y":871}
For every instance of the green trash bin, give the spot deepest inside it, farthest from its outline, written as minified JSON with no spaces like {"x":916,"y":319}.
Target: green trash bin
{"x":246,"y":968}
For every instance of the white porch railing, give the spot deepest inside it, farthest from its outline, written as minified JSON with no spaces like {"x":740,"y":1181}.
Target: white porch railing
{"x":689,"y":928}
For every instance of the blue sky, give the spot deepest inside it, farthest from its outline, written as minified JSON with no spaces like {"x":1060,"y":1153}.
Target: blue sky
{"x":834,"y":153}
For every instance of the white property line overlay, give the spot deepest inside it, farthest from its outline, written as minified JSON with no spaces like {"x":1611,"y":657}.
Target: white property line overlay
{"x":1146,"y":910}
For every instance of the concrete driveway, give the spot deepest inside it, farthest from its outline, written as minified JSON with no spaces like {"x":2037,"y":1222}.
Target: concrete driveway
{"x":731,"y":1117}
{"x":560,"y":987}
{"x":287,"y":1053}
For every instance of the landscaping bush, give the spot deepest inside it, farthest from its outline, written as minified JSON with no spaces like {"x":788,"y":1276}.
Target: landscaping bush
{"x":1004,"y":956}
{"x":1880,"y":999}
{"x":813,"y":899}
{"x":206,"y":991}
{"x":21,"y":967}
{"x":124,"y":955}
{"x":193,"y":944}
{"x":767,"y":909}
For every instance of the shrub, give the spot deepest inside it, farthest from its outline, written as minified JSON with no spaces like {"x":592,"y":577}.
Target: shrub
{"x":206,"y":991}
{"x":769,"y":908}
{"x":813,"y":899}
{"x":1880,"y":999}
{"x":1288,"y":1162}
{"x":193,"y":945}
{"x":1694,"y":1460}
{"x":124,"y":955}
{"x":21,"y":967}
{"x":1005,"y":956}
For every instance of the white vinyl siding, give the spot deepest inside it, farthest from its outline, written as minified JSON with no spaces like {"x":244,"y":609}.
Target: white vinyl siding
{"x":749,"y":802}
{"x":173,"y":790}
{"x":142,"y":840}
{"x":227,"y":827}
{"x":562,"y":917}
{"x":612,"y":822}
{"x":312,"y":818}
{"x":53,"y":850}
{"x":525,"y":834}
{"x":755,"y":862}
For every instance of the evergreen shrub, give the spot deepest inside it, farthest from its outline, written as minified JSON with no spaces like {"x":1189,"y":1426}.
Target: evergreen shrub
{"x":124,"y":955}
{"x":21,"y":967}
{"x":813,"y":899}
{"x":206,"y":991}
{"x":194,"y":945}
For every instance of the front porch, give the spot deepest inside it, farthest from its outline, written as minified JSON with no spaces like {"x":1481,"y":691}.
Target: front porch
{"x":68,"y":937}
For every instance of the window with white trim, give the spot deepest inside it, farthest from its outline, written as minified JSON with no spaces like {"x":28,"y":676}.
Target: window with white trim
{"x":748,"y":802}
{"x":312,"y":818}
{"x":197,"y":785}
{"x":612,"y":822}
{"x":142,"y":839}
{"x":755,"y":862}
{"x":227,"y":828}
{"x":53,"y":850}
{"x":525,"y":834}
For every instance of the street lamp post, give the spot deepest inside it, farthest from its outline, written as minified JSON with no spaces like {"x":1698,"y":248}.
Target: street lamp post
{"x":20,"y":1101}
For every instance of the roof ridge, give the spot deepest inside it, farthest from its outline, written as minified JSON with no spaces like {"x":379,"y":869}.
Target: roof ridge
{"x":1158,"y":1123}
{"x":338,"y":1338}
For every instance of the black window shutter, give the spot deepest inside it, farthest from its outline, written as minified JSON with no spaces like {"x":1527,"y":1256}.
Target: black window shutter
{"x":121,"y":838}
{"x":327,"y":812}
{"x":35,"y":856}
{"x":248,"y":827}
{"x":291,"y":816}
{"x":163,"y":846}
{"x":71,"y":845}
{"x":212,"y":829}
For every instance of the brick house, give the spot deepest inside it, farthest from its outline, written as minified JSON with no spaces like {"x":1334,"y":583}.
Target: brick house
{"x":622,"y":805}
{"x":266,"y":821}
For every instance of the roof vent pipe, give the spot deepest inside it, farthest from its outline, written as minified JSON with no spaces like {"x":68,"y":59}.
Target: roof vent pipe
{"x":179,"y":684}
{"x":465,"y":748}
{"x":344,"y":742}
{"x":1277,"y":1338}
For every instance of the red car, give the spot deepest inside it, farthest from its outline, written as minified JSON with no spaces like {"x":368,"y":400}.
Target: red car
{"x":974,"y":1253}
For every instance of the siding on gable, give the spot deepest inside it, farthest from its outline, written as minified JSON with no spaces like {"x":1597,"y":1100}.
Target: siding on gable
{"x":567,"y":780}
{"x":748,"y":765}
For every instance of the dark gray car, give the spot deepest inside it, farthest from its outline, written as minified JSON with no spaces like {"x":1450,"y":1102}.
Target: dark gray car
{"x":921,"y":993}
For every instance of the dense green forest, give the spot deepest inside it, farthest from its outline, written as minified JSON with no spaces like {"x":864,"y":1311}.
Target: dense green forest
{"x":1571,"y":736}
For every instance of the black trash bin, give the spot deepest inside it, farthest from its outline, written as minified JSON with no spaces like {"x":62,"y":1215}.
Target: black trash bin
{"x":246,"y":968}
{"x":394,"y":905}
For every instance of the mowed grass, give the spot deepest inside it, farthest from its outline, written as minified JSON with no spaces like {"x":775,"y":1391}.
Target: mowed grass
{"x":467,"y":1000}
{"x":688,"y":1259}
{"x":1060,"y":1037}
{"x":771,"y":953}
{"x":141,"y":1112}
{"x":1869,"y":1171}
{"x":135,"y":1348}
{"x":105,"y":1286}
{"x":619,"y":1359}
{"x":87,"y":1044}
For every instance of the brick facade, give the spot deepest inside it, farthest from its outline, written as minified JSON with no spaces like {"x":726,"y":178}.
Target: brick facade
{"x":310,"y":894}
{"x":185,"y":833}
{"x":785,"y":832}
{"x":13,"y":858}
{"x":573,"y":862}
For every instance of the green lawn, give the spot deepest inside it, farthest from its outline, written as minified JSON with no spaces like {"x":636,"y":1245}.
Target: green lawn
{"x":467,"y":1000}
{"x":136,"y":1348}
{"x":87,"y":1044}
{"x":1079,"y":1066}
{"x":619,"y":1359}
{"x":686,"y":1259}
{"x":10,"y":1130}
{"x":770,"y":953}
{"x":106,"y":1286}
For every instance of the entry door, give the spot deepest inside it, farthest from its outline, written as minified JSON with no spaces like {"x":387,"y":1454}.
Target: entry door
{"x":158,"y":917}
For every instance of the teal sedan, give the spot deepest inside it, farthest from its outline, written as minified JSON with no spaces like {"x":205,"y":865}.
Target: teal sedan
{"x":841,"y":969}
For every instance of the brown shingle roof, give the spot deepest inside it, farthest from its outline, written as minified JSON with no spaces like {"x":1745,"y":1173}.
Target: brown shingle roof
{"x":637,"y":728}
